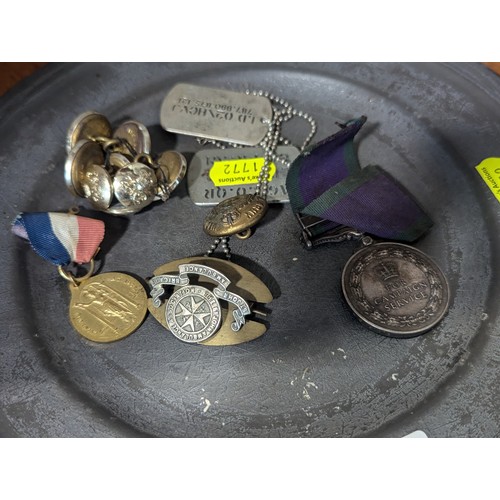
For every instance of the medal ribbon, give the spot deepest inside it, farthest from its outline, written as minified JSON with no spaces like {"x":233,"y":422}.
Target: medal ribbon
{"x":60,"y":238}
{"x":327,"y":181}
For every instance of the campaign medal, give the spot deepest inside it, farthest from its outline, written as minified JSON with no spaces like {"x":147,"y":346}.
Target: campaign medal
{"x":395,"y":289}
{"x":103,"y":308}
{"x":107,"y":307}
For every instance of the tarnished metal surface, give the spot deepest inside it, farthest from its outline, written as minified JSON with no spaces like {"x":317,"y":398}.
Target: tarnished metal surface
{"x":317,"y":371}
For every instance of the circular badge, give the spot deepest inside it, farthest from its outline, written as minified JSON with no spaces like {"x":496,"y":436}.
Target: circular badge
{"x":193,"y":313}
{"x":396,"y":289}
{"x":235,"y":215}
{"x":107,"y":307}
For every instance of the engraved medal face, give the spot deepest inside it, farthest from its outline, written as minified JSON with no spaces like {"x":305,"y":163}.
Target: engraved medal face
{"x":87,"y":126}
{"x":135,"y":186}
{"x":207,"y":300}
{"x":203,"y":191}
{"x":193,"y":314}
{"x":234,"y":215}
{"x":84,"y":154}
{"x":97,"y":186}
{"x":396,"y":289}
{"x":216,"y":114}
{"x":107,"y":307}
{"x":136,"y":134}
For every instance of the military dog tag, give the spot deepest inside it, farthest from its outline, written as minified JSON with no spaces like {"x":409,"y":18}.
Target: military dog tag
{"x":215,"y":175}
{"x":216,"y":114}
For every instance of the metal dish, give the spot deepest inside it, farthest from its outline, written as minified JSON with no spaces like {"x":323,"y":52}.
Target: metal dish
{"x":317,"y":371}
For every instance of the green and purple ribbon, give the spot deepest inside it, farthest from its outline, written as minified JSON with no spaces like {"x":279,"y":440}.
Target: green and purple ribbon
{"x":326,"y":181}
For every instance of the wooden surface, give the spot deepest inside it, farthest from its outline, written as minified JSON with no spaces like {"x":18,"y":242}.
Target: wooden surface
{"x":11,"y":73}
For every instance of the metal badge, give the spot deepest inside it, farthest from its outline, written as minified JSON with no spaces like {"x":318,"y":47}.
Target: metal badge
{"x":88,"y":125}
{"x":84,"y":154}
{"x":204,"y":192}
{"x":107,"y":307}
{"x":136,"y":135}
{"x":216,"y":114}
{"x":208,"y":311}
{"x":235,"y":215}
{"x":396,"y":289}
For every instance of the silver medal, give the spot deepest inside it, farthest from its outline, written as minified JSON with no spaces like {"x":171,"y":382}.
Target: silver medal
{"x":216,"y":114}
{"x":204,"y":192}
{"x":396,"y":289}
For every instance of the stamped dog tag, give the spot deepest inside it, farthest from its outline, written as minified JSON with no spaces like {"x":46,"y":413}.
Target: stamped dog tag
{"x":217,"y":174}
{"x":216,"y":114}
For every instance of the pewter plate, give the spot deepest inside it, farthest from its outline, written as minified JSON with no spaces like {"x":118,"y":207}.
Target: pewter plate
{"x":317,"y":371}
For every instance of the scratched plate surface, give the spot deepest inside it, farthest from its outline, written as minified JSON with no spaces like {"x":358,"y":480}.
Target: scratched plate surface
{"x":317,"y":371}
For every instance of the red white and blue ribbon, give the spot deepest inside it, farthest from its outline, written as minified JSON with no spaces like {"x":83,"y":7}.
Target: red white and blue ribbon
{"x":60,"y":238}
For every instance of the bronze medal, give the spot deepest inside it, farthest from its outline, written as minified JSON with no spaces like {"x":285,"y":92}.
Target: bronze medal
{"x":107,"y":307}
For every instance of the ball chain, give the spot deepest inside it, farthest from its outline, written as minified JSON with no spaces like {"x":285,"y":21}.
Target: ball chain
{"x":282,"y":112}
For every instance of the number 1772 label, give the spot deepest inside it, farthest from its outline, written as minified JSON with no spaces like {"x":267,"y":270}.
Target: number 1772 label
{"x":216,"y":175}
{"x":237,"y":172}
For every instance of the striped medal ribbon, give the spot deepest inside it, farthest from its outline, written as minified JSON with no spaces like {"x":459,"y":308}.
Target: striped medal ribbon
{"x":103,"y":308}
{"x":331,"y":194}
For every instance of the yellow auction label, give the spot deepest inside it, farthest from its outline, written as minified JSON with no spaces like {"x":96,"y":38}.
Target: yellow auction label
{"x":236,"y":172}
{"x":489,"y":170}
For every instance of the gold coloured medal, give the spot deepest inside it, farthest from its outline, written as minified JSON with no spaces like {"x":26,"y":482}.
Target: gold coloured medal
{"x":107,"y":307}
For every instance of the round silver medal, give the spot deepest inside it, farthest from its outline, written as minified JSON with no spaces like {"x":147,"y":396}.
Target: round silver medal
{"x":193,"y":313}
{"x":396,"y":289}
